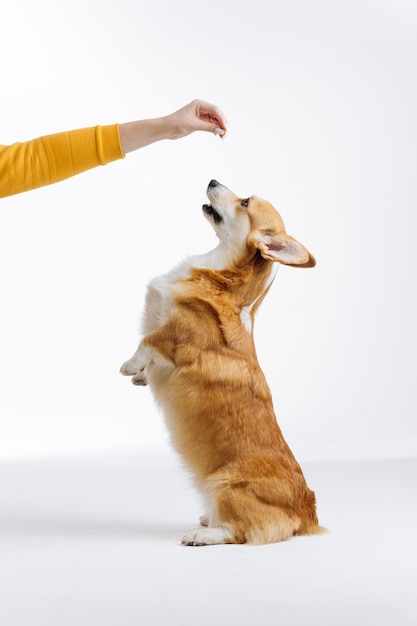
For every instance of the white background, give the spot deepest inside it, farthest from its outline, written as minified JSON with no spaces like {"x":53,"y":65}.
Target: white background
{"x":321,"y":99}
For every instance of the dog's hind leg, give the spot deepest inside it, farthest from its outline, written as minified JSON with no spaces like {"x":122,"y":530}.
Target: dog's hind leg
{"x":242,"y":512}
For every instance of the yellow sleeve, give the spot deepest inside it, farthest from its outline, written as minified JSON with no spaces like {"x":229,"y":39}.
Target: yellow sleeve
{"x":47,"y":160}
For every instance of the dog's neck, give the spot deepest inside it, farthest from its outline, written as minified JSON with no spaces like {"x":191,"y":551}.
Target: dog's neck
{"x":242,"y":288}
{"x":247,"y":313}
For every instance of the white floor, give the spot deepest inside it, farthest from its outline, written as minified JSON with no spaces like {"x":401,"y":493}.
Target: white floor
{"x":96,"y":542}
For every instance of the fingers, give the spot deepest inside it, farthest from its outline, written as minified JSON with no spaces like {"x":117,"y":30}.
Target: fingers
{"x":213,"y":117}
{"x":198,"y":115}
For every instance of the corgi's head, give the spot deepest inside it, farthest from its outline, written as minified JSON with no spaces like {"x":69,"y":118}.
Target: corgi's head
{"x":242,"y":223}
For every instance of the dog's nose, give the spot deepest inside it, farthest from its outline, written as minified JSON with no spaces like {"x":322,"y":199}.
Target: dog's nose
{"x":213,"y":183}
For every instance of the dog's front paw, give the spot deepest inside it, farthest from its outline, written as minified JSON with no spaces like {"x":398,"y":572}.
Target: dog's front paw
{"x":129,"y":368}
{"x":140,"y":379}
{"x":204,"y":520}
{"x":135,"y":368}
{"x":207,"y":537}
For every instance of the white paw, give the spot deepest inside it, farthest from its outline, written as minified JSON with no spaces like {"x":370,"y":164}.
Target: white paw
{"x":207,"y":537}
{"x":129,"y":368}
{"x":140,"y":378}
{"x":135,"y":368}
{"x":204,"y":520}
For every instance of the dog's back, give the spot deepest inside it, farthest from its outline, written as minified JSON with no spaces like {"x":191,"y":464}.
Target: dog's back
{"x":201,"y":363}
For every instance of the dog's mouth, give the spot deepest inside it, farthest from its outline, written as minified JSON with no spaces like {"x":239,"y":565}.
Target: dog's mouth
{"x":210,"y":211}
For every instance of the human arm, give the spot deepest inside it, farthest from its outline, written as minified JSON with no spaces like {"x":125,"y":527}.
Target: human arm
{"x":50,"y":159}
{"x":198,"y":115}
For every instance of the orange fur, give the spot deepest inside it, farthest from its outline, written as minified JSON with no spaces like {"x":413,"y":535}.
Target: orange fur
{"x":199,"y":357}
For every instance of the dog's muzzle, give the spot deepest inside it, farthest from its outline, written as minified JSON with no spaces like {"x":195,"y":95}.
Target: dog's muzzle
{"x":208,"y":210}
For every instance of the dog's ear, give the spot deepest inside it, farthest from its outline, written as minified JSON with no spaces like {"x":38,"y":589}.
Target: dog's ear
{"x":282,"y":248}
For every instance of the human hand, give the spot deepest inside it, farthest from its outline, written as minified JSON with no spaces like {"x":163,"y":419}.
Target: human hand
{"x":196,"y":116}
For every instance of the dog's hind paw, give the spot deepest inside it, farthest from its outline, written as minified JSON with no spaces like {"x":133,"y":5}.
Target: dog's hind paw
{"x":207,"y":537}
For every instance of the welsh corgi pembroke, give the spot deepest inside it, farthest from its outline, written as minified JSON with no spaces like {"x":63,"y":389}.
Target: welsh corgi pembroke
{"x":198,"y":356}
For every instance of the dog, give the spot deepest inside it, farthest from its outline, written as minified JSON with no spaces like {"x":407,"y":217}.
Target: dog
{"x":198,"y":356}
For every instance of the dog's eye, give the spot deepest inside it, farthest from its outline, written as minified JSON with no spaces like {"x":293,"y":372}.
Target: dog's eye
{"x":245,"y":202}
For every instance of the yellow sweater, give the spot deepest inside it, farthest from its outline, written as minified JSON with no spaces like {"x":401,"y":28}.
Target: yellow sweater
{"x":49,"y":159}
